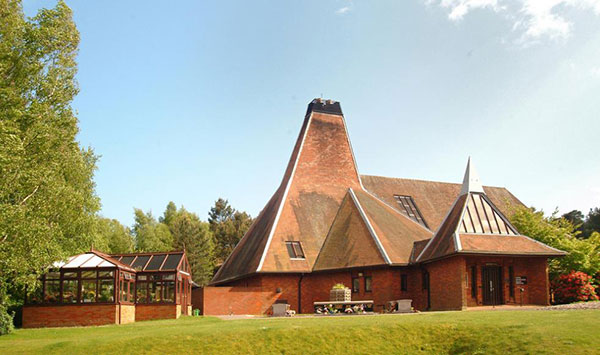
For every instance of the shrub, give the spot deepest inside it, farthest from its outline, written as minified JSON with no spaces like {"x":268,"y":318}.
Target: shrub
{"x":6,"y":321}
{"x":576,"y":286}
{"x":339,"y":287}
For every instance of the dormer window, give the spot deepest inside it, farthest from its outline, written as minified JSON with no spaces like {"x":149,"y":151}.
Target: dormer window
{"x":409,"y":209}
{"x":295,"y":250}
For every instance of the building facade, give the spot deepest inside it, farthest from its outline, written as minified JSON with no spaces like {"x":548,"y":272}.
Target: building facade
{"x":94,"y":288}
{"x":444,"y":246}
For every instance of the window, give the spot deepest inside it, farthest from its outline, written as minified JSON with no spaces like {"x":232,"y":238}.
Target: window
{"x":295,"y":250}
{"x":425,"y":280}
{"x":88,"y":291}
{"x":52,"y":291}
{"x":355,"y":284}
{"x":409,"y":208}
{"x":511,"y":281}
{"x":368,"y":281}
{"x":69,"y":288}
{"x":106,"y":290}
{"x":403,"y":282}
{"x":142,"y":292}
{"x":474,"y":281}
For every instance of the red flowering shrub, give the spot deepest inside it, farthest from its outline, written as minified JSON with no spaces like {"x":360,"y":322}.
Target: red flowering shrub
{"x":576,"y":286}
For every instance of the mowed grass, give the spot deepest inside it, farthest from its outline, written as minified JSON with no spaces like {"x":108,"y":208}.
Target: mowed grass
{"x":482,"y":332}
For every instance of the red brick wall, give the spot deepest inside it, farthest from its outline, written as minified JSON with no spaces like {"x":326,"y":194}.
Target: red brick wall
{"x":446,"y":284}
{"x":69,"y":315}
{"x":236,"y":300}
{"x":156,"y":311}
{"x":535,"y":269}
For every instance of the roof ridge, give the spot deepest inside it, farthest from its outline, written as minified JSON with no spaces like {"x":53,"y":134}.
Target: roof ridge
{"x":435,"y":181}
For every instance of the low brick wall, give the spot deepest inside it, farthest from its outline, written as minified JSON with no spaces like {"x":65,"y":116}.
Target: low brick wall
{"x":69,"y":315}
{"x":157,"y":311}
{"x":236,"y":300}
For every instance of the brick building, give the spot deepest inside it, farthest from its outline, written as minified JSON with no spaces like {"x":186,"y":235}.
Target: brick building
{"x":444,"y":246}
{"x":94,"y":288}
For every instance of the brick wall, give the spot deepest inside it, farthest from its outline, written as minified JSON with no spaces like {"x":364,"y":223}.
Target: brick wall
{"x":236,"y":300}
{"x":156,"y":311}
{"x":536,"y":291}
{"x":69,"y":315}
{"x":446,"y":284}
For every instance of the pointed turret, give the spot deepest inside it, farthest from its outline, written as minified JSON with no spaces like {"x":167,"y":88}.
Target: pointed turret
{"x":289,"y":232}
{"x":471,"y":181}
{"x":475,"y":225}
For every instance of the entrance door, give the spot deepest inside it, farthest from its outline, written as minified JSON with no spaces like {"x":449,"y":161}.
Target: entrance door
{"x":491,"y":277}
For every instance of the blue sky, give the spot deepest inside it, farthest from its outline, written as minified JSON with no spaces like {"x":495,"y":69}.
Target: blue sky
{"x":191,"y":101}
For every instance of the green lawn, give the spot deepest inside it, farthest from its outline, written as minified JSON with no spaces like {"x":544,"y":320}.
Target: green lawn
{"x":566,"y":332}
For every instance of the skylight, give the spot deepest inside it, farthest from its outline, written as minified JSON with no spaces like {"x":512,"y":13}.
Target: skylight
{"x":295,"y":250}
{"x":409,"y":208}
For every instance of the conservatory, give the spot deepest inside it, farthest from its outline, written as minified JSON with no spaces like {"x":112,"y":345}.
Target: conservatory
{"x":96,"y":288}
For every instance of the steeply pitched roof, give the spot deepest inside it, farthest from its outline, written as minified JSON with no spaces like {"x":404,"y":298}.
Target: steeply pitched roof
{"x":350,"y":242}
{"x":476,"y":220}
{"x":319,"y":172}
{"x":367,"y":232}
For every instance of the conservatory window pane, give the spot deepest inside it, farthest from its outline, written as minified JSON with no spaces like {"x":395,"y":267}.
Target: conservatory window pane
{"x":88,"y":274}
{"x":169,"y":277}
{"x":172,"y":262}
{"x":169,"y":291}
{"x":52,"y":293}
{"x":156,"y":262}
{"x":70,"y":291}
{"x":142,"y":292}
{"x":105,"y":274}
{"x":70,"y":275}
{"x":36,"y":296}
{"x":106,"y":291}
{"x":88,"y":291}
{"x":55,"y":275}
{"x":139,"y":263}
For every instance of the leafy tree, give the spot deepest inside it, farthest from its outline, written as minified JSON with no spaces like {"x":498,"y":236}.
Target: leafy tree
{"x":193,"y":235}
{"x":149,"y":234}
{"x":584,"y":254}
{"x":592,"y":222}
{"x":228,"y":226}
{"x":112,"y":237}
{"x":577,"y":219}
{"x":169,"y":214}
{"x":47,"y":199}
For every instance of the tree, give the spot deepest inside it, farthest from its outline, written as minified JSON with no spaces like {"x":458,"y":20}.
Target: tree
{"x":228,"y":227}
{"x":577,"y":219}
{"x":47,"y":198}
{"x":592,"y":222}
{"x":169,"y":215}
{"x":112,"y":237}
{"x":193,"y":235}
{"x":149,"y":234}
{"x":584,"y":254}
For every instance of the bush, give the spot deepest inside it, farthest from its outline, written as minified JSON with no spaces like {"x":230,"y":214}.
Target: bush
{"x":576,"y":286}
{"x":6,"y":321}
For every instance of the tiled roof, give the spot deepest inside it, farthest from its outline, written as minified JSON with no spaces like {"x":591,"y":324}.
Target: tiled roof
{"x":433,"y":198}
{"x":505,"y":244}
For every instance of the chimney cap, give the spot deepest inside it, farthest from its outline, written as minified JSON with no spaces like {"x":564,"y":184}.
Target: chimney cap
{"x":324,"y":106}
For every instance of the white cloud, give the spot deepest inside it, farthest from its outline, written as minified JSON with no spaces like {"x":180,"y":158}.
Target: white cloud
{"x":343,"y":10}
{"x":532,"y":19}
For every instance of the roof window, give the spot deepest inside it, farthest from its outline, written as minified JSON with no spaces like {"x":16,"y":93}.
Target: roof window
{"x":295,"y":250}
{"x":409,"y":209}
